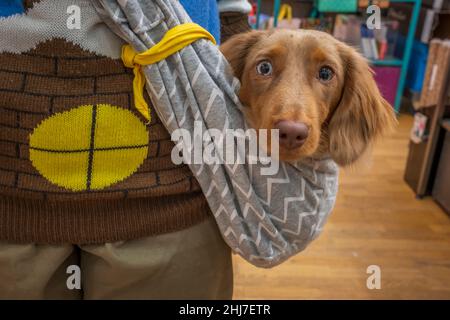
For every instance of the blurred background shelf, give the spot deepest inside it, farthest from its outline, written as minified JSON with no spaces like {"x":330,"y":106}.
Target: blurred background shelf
{"x":387,"y":62}
{"x":402,"y":61}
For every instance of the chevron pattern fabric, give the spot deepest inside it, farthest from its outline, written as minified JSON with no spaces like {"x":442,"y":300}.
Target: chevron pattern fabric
{"x":266,"y":219}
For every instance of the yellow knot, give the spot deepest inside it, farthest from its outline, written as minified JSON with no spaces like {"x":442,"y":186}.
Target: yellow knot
{"x":174,"y":40}
{"x":128,"y":55}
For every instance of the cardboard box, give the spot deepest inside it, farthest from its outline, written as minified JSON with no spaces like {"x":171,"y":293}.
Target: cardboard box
{"x":437,"y":69}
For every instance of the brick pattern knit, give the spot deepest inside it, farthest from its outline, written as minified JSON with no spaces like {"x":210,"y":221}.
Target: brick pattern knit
{"x":78,"y":163}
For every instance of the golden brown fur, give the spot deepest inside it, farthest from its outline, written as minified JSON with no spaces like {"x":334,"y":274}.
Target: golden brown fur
{"x":344,"y":115}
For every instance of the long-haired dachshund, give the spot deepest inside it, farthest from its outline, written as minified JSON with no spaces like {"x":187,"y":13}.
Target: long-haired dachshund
{"x":319,"y":92}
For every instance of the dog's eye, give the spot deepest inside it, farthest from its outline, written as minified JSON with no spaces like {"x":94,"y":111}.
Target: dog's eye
{"x":264,"y":68}
{"x":326,"y":74}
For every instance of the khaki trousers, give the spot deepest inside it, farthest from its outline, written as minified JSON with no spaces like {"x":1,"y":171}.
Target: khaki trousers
{"x":194,"y":263}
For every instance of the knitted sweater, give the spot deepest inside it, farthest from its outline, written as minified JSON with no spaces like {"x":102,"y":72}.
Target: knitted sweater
{"x":78,"y":163}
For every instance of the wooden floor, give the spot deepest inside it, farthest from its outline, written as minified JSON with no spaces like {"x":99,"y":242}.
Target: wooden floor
{"x":376,"y":221}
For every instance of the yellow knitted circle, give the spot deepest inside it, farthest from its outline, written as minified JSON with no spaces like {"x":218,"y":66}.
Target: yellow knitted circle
{"x":89,"y":147}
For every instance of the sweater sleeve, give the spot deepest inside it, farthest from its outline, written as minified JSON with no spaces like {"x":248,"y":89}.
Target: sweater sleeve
{"x":205,"y":13}
{"x":242,"y":6}
{"x":10,"y":7}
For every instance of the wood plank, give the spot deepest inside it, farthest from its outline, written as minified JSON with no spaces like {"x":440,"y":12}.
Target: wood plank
{"x":376,"y":221}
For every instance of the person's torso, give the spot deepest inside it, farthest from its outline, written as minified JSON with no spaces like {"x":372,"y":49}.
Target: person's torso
{"x":68,"y":126}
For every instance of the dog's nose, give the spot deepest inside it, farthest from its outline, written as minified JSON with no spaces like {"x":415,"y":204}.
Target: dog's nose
{"x":292,"y":134}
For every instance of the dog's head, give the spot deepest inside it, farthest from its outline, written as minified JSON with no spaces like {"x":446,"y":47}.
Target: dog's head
{"x":319,"y":92}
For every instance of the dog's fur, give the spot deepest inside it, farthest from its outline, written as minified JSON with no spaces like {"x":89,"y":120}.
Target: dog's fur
{"x":344,"y":115}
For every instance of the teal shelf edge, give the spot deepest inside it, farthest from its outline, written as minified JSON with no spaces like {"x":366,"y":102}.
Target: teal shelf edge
{"x":403,"y":63}
{"x":387,"y":62}
{"x":407,"y":53}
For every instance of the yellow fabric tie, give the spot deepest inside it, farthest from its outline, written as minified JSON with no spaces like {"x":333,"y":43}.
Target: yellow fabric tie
{"x":174,"y":40}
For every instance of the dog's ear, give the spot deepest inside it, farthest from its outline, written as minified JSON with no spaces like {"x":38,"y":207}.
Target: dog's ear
{"x":362,"y":115}
{"x":237,"y":47}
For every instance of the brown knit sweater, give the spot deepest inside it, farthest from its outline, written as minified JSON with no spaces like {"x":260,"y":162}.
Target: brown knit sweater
{"x":78,"y":164}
